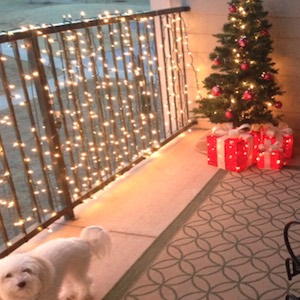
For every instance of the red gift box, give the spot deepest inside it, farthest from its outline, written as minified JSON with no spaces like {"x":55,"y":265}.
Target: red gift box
{"x":230,"y":149}
{"x":288,"y":142}
{"x":275,"y":134}
{"x":282,"y":134}
{"x":270,"y":156}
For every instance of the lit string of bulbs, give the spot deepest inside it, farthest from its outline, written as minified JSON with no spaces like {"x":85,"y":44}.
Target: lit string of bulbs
{"x":72,"y":80}
{"x":176,"y":67}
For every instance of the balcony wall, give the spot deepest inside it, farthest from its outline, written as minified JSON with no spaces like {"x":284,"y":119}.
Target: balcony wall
{"x":207,"y":18}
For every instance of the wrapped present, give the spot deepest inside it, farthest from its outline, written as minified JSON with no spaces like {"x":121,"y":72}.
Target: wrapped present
{"x":287,"y":139}
{"x":230,"y":149}
{"x":288,"y":144}
{"x":281,"y":134}
{"x":270,"y":156}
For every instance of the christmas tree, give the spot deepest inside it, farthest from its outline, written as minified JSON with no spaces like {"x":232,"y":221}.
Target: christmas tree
{"x":243,"y":89}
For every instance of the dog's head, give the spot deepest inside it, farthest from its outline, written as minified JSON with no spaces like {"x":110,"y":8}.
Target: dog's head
{"x":24,"y":277}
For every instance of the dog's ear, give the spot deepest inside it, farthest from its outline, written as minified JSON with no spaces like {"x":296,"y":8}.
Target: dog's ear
{"x":45,"y":270}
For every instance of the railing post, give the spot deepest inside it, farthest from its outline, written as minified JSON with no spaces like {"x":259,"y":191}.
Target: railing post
{"x":41,"y":84}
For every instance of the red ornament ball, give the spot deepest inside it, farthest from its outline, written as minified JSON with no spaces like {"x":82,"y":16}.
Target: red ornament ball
{"x":264,"y":32}
{"x":216,"y":91}
{"x":232,"y":8}
{"x":278,"y":104}
{"x":245,"y":66}
{"x":217,"y":61}
{"x":243,"y":42}
{"x":228,"y":114}
{"x":248,"y":95}
{"x":267,"y":76}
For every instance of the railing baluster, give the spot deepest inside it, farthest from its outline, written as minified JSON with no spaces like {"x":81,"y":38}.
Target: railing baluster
{"x":130,"y":114}
{"x":137,"y":96}
{"x":99,"y":152}
{"x":103,"y":84}
{"x":170,"y":45}
{"x":45,"y":102}
{"x":61,"y":117}
{"x":114,"y":136}
{"x":144,"y":103}
{"x":83,"y":119}
{"x":152,"y":90}
{"x":165,"y":70}
{"x":176,"y":73}
{"x":72,"y":97}
{"x":160,"y":100}
{"x":119,"y":94}
{"x":183,"y":73}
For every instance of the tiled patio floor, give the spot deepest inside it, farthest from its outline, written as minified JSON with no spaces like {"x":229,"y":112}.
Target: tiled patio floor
{"x":227,"y":244}
{"x":140,"y":205}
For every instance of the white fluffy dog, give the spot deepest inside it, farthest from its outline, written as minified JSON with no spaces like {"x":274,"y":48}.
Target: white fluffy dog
{"x":40,"y":273}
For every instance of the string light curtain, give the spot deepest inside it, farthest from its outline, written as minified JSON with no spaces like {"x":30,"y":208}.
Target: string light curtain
{"x":82,"y":102}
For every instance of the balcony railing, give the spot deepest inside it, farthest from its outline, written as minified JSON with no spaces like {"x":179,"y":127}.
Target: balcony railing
{"x":80,"y":103}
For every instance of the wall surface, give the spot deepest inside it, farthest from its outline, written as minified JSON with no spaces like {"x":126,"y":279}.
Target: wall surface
{"x":208,"y":17}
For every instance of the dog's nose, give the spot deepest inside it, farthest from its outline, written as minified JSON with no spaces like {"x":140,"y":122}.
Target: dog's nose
{"x":21,"y":284}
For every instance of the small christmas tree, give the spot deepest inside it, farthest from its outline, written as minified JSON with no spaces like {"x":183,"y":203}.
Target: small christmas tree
{"x":244,"y":88}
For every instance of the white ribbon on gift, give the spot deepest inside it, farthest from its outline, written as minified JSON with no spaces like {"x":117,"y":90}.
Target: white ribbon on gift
{"x":225,"y":131}
{"x":284,"y":129}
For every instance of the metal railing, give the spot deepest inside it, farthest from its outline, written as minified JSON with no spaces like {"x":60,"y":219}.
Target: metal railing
{"x":80,"y":103}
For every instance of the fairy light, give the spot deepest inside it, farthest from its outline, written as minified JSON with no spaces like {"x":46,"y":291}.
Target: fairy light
{"x":119,"y":125}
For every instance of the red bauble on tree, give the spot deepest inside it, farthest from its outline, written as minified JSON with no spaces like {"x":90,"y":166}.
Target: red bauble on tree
{"x":267,"y":76}
{"x":217,"y":90}
{"x":228,"y":114}
{"x":278,"y":104}
{"x":248,"y":95}
{"x":245,"y":66}
{"x":232,"y":8}
{"x":217,"y":61}
{"x":243,"y":42}
{"x":264,"y":32}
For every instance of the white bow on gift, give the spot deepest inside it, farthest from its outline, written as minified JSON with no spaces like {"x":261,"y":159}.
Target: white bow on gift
{"x":227,"y":129}
{"x":277,"y":131}
{"x":284,"y":128}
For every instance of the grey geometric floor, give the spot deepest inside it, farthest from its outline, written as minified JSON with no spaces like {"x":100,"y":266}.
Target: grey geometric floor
{"x":227,"y":244}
